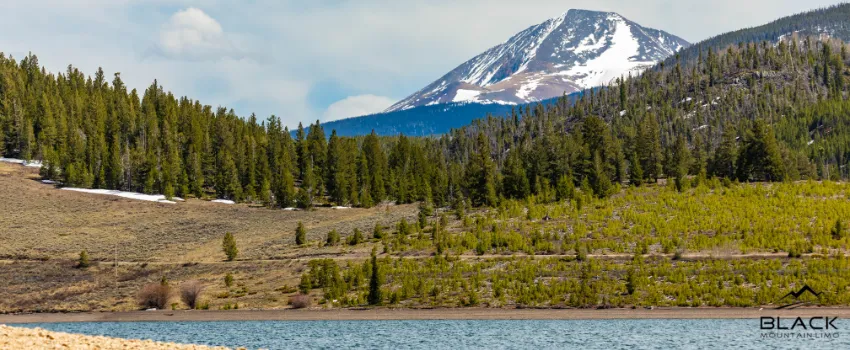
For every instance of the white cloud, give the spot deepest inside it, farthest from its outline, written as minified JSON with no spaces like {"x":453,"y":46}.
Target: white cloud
{"x":355,"y":106}
{"x":192,"y":34}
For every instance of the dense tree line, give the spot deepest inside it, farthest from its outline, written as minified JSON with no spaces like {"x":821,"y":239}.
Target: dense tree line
{"x":752,"y":112}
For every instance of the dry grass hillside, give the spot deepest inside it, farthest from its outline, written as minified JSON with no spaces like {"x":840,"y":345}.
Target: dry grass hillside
{"x":39,"y":221}
{"x":43,"y":229}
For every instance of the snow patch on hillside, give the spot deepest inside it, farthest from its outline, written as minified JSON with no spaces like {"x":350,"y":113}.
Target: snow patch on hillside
{"x":26,"y":163}
{"x":129,"y":195}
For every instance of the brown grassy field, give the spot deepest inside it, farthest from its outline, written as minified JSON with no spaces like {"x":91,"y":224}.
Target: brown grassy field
{"x":43,"y":229}
{"x":40,"y":221}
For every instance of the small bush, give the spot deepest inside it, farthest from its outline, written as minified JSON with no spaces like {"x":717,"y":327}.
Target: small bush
{"x":190,"y":293}
{"x":83,"y":261}
{"x":795,"y":253}
{"x":356,"y":238}
{"x":333,"y":238}
{"x":155,"y":295}
{"x":300,"y":234}
{"x":228,"y":280}
{"x":581,"y":252}
{"x":306,"y":284}
{"x":403,"y":228}
{"x":228,"y":245}
{"x":299,"y":301}
{"x":378,"y":232}
{"x":837,"y":230}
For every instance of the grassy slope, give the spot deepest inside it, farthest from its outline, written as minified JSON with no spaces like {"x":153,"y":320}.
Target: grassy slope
{"x":733,"y":242}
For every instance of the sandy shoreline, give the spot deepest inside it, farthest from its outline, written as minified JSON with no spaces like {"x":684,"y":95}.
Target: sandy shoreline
{"x":424,"y":314}
{"x":36,"y":338}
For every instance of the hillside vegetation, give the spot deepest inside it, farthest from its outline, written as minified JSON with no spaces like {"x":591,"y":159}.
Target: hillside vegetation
{"x":713,"y":245}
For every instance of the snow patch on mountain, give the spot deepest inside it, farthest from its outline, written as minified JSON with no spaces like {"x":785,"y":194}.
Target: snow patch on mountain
{"x":466,"y":95}
{"x":610,"y":64}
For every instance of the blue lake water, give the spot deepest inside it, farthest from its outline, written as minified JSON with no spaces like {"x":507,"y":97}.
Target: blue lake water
{"x":525,"y":334}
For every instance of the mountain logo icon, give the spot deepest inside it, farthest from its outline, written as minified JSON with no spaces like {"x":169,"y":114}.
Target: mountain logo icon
{"x":797,"y":294}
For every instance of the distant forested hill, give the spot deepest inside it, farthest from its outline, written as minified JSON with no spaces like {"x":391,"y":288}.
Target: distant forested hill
{"x":833,"y":21}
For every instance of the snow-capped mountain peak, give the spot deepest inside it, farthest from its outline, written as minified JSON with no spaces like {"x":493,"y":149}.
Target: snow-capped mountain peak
{"x":578,"y":49}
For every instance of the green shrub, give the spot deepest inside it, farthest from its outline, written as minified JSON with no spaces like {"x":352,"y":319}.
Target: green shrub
{"x":333,"y":238}
{"x":378,"y":231}
{"x":83,"y":261}
{"x":356,"y":237}
{"x":228,"y":245}
{"x":300,"y":234}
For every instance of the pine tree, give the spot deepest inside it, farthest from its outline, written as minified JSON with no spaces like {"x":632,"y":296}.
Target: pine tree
{"x":515,"y":181}
{"x":306,"y":284}
{"x":599,"y":180}
{"x":760,"y":159}
{"x":376,"y":164}
{"x":83,"y":262}
{"x":356,"y":237}
{"x":681,"y":161}
{"x":285,"y":190}
{"x":726,"y":154}
{"x":318,"y":151}
{"x":565,"y":188}
{"x":300,"y":234}
{"x":649,"y":148}
{"x":375,"y":297}
{"x":228,"y":245}
{"x":302,"y":149}
{"x":305,"y":194}
{"x":636,"y":175}
{"x":378,"y":231}
{"x":480,"y":175}
{"x":364,"y":179}
{"x":631,"y":282}
{"x":333,"y":238}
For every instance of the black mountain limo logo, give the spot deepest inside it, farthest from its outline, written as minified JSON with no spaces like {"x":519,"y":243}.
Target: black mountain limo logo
{"x":818,"y":327}
{"x":797,"y":295}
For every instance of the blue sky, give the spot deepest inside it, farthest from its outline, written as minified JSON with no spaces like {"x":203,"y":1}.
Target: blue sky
{"x":315,"y":59}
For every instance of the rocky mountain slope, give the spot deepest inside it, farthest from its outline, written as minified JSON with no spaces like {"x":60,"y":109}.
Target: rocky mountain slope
{"x":576,"y":50}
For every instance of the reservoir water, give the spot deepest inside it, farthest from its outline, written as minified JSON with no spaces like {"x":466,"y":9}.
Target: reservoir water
{"x":525,"y":334}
